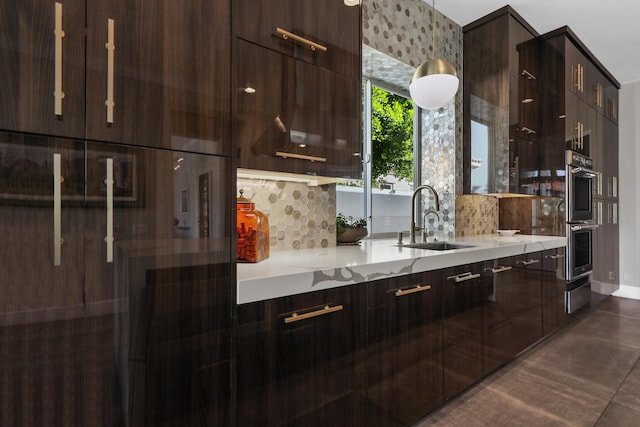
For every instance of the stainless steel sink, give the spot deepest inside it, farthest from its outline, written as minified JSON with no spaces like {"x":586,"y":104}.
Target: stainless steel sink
{"x":436,"y":246}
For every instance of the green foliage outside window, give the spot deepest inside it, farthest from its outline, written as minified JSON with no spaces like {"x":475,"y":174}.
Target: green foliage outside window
{"x":392,"y":136}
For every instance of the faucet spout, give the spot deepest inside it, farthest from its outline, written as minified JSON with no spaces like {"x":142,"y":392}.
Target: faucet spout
{"x":412,"y":230}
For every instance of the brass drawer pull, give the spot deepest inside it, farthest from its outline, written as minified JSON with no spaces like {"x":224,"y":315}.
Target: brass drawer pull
{"x":463,"y":277}
{"x":500,"y":269}
{"x":419,"y":288}
{"x":300,"y":156}
{"x":531,"y":261}
{"x":295,"y":317}
{"x":527,"y":75}
{"x":311,"y":44}
{"x":556,"y":256}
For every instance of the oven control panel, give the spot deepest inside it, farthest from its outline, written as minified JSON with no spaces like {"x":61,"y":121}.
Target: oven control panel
{"x":579,"y":160}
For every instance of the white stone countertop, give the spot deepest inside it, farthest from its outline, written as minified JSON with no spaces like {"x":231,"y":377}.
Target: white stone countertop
{"x":287,"y":273}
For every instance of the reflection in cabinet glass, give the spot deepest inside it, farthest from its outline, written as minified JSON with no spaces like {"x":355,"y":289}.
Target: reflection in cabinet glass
{"x":291,"y":116}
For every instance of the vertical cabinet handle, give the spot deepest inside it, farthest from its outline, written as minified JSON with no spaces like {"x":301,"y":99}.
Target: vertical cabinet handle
{"x":109,"y":237}
{"x":58,"y":94}
{"x":110,"y":46}
{"x":599,"y":213}
{"x":57,"y":208}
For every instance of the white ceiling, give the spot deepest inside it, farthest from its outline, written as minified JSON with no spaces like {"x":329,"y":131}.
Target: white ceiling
{"x":611,"y":30}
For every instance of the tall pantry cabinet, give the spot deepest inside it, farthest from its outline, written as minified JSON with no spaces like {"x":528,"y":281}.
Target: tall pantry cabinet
{"x":115,"y":199}
{"x":587,"y":117}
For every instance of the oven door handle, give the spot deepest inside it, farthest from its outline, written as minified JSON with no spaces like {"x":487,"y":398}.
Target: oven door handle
{"x":585,"y":172}
{"x":584,"y":227}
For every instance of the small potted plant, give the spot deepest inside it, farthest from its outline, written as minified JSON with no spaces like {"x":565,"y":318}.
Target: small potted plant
{"x":350,"y":230}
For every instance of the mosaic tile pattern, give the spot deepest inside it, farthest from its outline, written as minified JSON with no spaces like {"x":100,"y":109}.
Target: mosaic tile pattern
{"x":300,"y":216}
{"x":476,"y":214}
{"x":438,"y":157}
{"x":401,"y":30}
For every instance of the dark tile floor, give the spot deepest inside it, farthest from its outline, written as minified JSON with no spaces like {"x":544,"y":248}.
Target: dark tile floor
{"x":587,"y":374}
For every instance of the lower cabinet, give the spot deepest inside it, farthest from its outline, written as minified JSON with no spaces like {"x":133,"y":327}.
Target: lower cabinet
{"x":554,"y":286}
{"x":301,"y":360}
{"x":465,"y":294}
{"x":404,"y":369}
{"x":388,"y":352}
{"x":513,"y":309}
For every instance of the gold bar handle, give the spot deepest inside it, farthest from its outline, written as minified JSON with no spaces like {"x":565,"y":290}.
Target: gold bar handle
{"x":599,"y":212}
{"x":58,"y":94}
{"x":529,"y":262}
{"x":556,"y":256}
{"x":527,"y":130}
{"x":419,"y":288}
{"x":295,"y":317}
{"x":109,"y":237}
{"x":463,"y":277}
{"x":111,"y":47}
{"x":500,"y":269}
{"x":300,"y":156}
{"x":527,"y":75}
{"x":57,"y":209}
{"x":581,"y":78}
{"x":310,"y":44}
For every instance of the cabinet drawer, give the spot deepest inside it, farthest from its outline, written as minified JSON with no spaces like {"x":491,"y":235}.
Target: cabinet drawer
{"x":302,"y":357}
{"x":330,"y":26}
{"x":294,"y":117}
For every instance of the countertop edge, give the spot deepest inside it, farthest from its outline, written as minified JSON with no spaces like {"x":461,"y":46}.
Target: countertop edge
{"x":295,"y":272}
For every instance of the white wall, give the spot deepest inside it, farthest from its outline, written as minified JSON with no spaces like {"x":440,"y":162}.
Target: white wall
{"x":629,"y":191}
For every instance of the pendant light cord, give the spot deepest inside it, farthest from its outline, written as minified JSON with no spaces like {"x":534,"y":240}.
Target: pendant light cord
{"x":433,"y":28}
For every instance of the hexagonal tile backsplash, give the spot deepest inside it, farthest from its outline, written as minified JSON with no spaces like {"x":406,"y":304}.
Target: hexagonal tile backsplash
{"x":300,"y":216}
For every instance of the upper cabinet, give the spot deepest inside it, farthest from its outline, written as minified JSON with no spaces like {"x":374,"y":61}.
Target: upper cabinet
{"x":501,"y":103}
{"x":297,"y":87}
{"x":529,"y":99}
{"x":324,"y":33}
{"x":155,"y":74}
{"x":294,"y":117}
{"x":42,"y":51}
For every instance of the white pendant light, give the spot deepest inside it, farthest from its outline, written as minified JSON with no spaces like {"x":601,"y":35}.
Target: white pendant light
{"x":434,"y":82}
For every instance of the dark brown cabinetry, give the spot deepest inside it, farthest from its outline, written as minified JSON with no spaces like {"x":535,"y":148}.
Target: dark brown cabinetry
{"x":297,"y":87}
{"x":98,"y":221}
{"x":404,"y":350}
{"x":513,"y":310}
{"x":171,"y":70}
{"x":501,"y":94}
{"x":294,"y":27}
{"x":554,"y":286}
{"x":43,"y":71}
{"x":172,"y":280}
{"x":301,"y":360}
{"x":465,"y":293}
{"x":156,"y":74}
{"x":291,"y":116}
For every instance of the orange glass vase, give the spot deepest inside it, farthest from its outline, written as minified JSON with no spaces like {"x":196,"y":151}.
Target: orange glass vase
{"x":252,"y":228}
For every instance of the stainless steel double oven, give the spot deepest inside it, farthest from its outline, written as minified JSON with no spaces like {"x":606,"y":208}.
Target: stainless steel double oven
{"x":580,"y":227}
